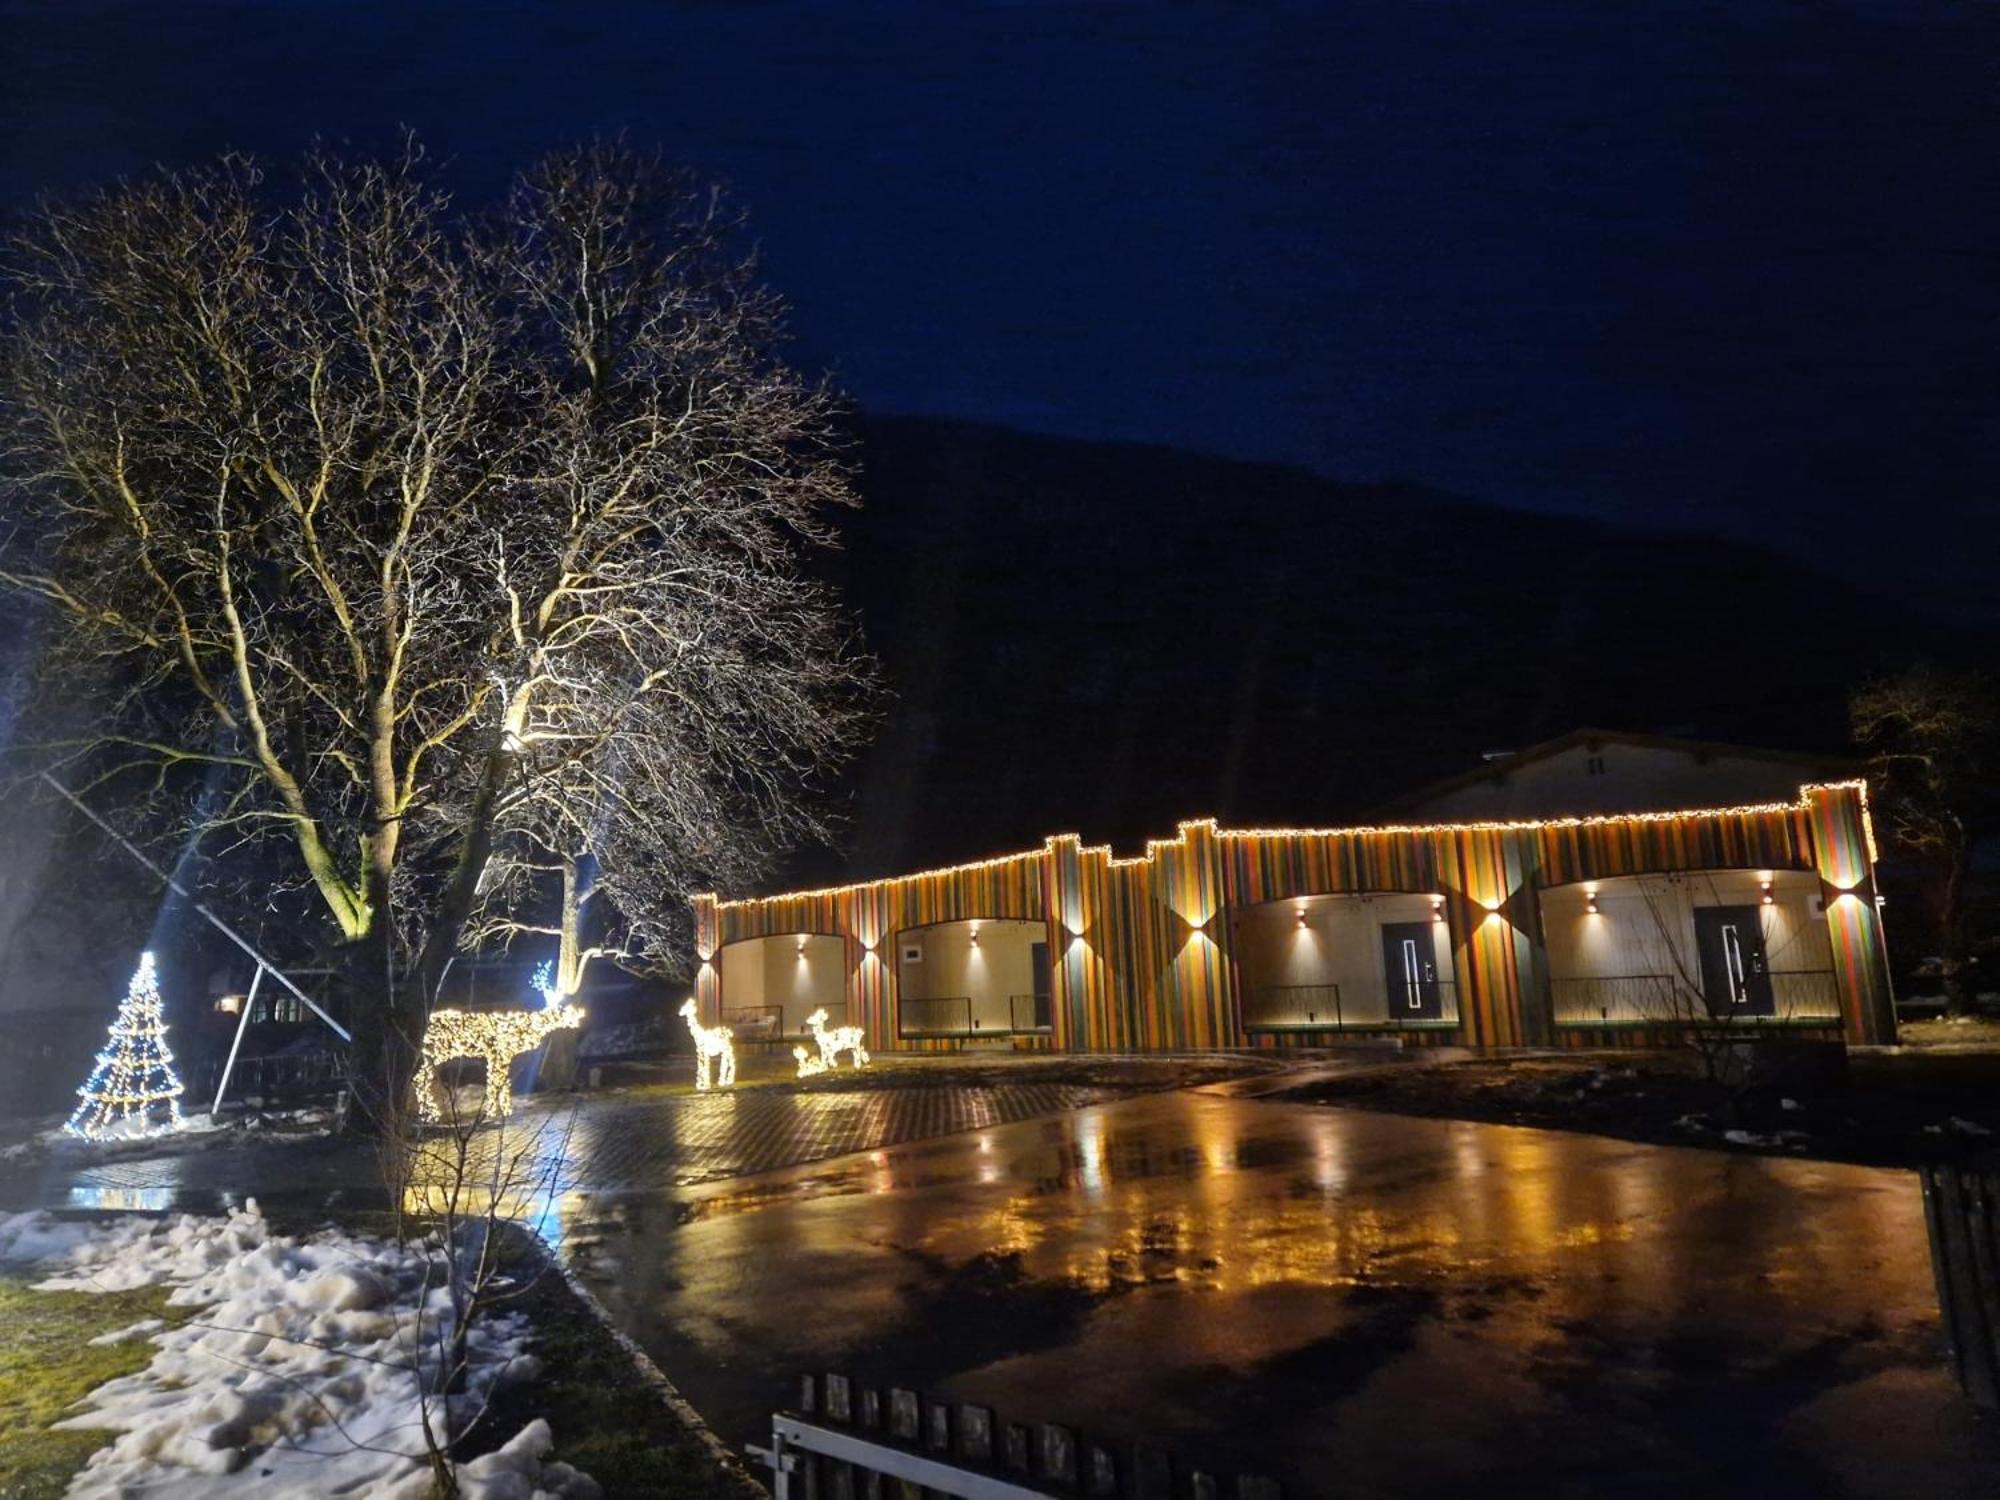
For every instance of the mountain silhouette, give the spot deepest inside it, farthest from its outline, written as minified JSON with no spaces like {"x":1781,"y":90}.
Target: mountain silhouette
{"x":1108,"y":638}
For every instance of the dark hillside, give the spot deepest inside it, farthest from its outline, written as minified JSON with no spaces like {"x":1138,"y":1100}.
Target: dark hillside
{"x":1107,"y":638}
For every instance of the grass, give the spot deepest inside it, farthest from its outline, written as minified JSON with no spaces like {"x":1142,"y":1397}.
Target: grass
{"x":606,"y":1419}
{"x":47,"y":1364}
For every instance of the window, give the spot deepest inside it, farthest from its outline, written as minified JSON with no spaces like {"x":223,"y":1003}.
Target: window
{"x":1595,"y":765}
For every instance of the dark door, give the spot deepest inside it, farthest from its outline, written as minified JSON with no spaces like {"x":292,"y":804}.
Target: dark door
{"x":1039,"y":958}
{"x":1409,"y":959}
{"x":1735,"y":980}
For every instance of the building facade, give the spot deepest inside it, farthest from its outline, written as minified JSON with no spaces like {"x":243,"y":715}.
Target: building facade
{"x":1574,"y":931}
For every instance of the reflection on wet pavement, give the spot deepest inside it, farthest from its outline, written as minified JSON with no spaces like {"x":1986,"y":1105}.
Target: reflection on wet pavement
{"x":1361,"y":1304}
{"x":574,"y":1143}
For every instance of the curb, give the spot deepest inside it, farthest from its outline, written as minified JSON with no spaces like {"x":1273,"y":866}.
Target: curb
{"x":740,"y":1483}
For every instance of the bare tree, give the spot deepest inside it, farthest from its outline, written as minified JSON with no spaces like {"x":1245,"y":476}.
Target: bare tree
{"x":692,"y":679}
{"x":429,"y":539}
{"x":1931,"y":737}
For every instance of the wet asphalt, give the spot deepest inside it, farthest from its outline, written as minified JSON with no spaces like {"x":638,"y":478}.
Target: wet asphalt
{"x":1356,"y":1304}
{"x":1360,"y":1305}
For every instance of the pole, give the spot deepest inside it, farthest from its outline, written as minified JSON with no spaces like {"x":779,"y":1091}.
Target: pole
{"x":214,"y":921}
{"x":242,"y":1021}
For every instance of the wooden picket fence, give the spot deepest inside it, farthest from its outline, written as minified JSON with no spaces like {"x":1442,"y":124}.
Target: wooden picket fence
{"x":849,"y":1442}
{"x":1962,"y":1213}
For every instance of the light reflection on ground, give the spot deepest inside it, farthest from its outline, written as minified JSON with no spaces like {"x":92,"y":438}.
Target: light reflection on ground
{"x":1295,"y":1289}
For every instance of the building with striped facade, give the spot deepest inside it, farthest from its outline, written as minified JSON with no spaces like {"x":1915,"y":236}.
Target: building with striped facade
{"x":1582,"y":931}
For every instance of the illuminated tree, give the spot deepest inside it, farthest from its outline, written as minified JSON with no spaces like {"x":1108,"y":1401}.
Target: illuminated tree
{"x":134,"y":1074}
{"x":430,"y":542}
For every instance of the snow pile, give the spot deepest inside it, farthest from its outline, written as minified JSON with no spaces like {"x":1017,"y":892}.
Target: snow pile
{"x":294,"y":1375}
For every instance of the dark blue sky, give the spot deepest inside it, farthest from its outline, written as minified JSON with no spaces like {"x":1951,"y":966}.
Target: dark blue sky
{"x":1726,"y":266}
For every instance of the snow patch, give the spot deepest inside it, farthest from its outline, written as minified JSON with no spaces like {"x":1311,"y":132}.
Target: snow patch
{"x":119,"y":1335}
{"x":294,"y":1374}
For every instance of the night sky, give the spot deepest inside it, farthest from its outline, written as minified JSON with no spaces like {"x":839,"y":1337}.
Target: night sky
{"x":1723,"y":266}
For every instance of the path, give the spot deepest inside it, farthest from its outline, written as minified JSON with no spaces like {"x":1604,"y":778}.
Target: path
{"x":1366,"y":1305}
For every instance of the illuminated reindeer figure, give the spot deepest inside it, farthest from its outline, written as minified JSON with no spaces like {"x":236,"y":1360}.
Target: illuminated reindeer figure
{"x":498,"y":1036}
{"x":809,"y":1062}
{"x":717,"y":1042}
{"x":838,"y":1039}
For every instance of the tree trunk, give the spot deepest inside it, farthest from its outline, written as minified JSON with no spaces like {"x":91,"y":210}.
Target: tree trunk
{"x":387,"y":1021}
{"x":1961,"y":996}
{"x":461,"y":894}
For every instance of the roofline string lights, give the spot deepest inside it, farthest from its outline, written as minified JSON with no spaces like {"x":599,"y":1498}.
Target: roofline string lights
{"x":886,"y":884}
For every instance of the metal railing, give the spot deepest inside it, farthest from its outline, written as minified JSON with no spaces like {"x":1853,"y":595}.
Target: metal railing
{"x":1800,"y":996}
{"x":847,"y":1440}
{"x":754,"y":1023}
{"x":766,"y":1023}
{"x":953,"y":1016}
{"x":1323,"y":1007}
{"x":1024,"y":1014}
{"x":1602,"y":998}
{"x":1805,"y":995}
{"x":1282,"y":1007}
{"x":279,"y":1076}
{"x":947,"y":1015}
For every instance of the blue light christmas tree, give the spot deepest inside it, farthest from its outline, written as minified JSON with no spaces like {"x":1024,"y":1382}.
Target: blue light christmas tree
{"x":135,"y":1071}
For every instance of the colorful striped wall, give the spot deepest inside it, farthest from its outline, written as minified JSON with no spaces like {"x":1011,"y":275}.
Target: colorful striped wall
{"x":1141,"y":948}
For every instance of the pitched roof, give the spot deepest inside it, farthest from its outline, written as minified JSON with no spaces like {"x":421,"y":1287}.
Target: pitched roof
{"x":1499,"y":766}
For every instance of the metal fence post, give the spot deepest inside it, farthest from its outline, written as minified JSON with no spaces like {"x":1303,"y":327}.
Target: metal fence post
{"x":1962,"y":1215}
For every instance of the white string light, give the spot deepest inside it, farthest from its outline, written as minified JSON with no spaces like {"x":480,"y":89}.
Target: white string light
{"x":886,"y":884}
{"x":135,"y":1071}
{"x":717,"y":1042}
{"x":835,"y":1040}
{"x":498,"y":1036}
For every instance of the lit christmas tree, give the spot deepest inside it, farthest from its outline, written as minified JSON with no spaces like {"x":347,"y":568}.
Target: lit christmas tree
{"x":134,"y":1072}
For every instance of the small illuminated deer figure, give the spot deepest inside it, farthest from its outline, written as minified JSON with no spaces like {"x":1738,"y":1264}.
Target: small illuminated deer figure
{"x":836,"y":1040}
{"x":717,"y":1042}
{"x":809,"y":1062}
{"x":499,"y":1036}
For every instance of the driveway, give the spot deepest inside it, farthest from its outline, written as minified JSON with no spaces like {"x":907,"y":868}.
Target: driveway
{"x":1358,"y":1304}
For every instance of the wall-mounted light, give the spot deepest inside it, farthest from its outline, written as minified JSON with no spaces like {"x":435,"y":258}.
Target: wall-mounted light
{"x":1302,"y":916}
{"x":802,"y":945}
{"x":1437,"y":908}
{"x":975,"y":934}
{"x":1590,"y":901}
